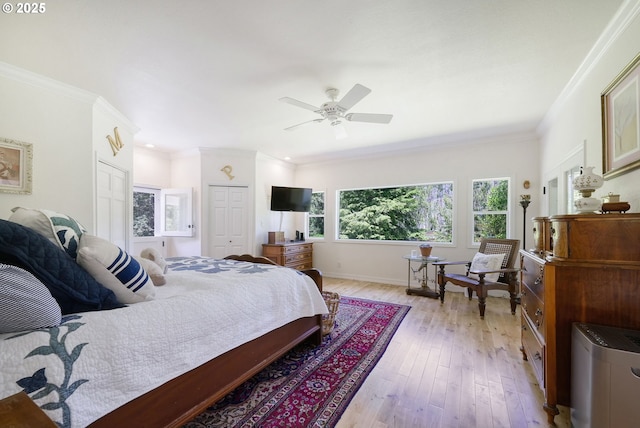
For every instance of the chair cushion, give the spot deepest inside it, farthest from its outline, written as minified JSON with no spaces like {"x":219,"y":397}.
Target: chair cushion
{"x":486,"y":262}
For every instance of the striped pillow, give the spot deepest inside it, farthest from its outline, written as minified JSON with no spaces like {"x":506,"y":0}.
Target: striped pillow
{"x":115,"y":269}
{"x":25,"y":302}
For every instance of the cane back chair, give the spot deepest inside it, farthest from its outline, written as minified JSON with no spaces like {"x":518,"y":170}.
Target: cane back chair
{"x":475,"y":279}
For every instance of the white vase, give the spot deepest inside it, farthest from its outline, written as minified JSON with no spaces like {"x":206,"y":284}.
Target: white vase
{"x":588,"y":180}
{"x":587,"y":205}
{"x":586,"y":184}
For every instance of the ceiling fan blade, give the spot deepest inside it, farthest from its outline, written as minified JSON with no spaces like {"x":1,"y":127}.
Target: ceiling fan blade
{"x":291,"y":128}
{"x":352,"y":97}
{"x":369,"y":117}
{"x":300,"y":104}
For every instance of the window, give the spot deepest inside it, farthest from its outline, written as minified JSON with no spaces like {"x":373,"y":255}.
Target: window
{"x":490,"y":208}
{"x":553,"y":196}
{"x":408,"y":213}
{"x":176,"y":217}
{"x":162,"y":212}
{"x":146,"y":211}
{"x":572,"y":194}
{"x":316,"y":215}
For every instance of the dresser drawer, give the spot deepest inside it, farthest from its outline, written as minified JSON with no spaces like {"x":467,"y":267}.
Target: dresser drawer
{"x":533,"y":276}
{"x":301,"y":266}
{"x":533,"y":307}
{"x":534,"y":350}
{"x":301,"y":248}
{"x":297,"y":255}
{"x":297,"y":258}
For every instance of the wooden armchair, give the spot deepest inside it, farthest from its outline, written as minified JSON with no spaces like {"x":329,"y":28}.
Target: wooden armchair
{"x":482,"y":279}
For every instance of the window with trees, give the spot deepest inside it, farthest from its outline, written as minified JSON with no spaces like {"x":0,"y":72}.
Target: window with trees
{"x":146,"y":218}
{"x":162,"y":212}
{"x":316,"y":215}
{"x":490,"y":208}
{"x":407,"y":213}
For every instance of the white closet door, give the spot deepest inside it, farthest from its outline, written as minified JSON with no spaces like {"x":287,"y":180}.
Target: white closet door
{"x":228,"y":226}
{"x":113,"y":194}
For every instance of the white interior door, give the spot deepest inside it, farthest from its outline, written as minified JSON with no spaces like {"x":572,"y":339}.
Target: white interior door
{"x":228,"y":228}
{"x":112,"y":196}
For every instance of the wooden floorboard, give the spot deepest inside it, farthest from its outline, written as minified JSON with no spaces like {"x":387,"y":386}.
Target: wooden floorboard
{"x":445,"y":367}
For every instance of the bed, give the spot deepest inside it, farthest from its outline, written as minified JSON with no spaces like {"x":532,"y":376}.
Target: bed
{"x":161,"y":360}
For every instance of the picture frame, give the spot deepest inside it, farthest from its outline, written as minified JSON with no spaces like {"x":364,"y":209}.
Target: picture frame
{"x":620,"y":106}
{"x":16,"y":163}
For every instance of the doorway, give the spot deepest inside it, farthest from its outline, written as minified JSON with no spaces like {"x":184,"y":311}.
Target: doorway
{"x":112,"y":204}
{"x":227,"y":223}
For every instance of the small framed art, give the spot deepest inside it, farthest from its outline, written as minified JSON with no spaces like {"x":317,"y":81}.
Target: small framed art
{"x":16,"y":159}
{"x":621,"y":122}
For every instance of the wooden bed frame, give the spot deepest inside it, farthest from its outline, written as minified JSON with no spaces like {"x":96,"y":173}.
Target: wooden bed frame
{"x":181,"y":399}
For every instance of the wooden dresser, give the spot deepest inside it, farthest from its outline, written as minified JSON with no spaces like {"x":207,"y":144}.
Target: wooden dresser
{"x":296,"y":255}
{"x":585,"y":268}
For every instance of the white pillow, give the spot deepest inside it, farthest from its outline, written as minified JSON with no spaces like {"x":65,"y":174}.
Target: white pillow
{"x":62,"y":230}
{"x":115,"y":269}
{"x":487,"y":262}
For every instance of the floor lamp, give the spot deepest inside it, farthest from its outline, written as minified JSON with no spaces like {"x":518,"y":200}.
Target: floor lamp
{"x":525,"y":200}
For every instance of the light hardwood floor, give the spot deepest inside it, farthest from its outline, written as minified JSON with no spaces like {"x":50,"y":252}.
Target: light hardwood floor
{"x":447,"y":368}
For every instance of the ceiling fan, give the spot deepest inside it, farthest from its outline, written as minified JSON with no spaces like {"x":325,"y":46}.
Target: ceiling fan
{"x":336,"y":111}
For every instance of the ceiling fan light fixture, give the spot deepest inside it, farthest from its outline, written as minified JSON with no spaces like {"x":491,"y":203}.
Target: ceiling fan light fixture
{"x":339,"y":131}
{"x":335,"y":111}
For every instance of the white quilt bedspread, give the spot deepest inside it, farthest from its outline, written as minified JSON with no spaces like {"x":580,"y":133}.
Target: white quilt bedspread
{"x":96,"y":361}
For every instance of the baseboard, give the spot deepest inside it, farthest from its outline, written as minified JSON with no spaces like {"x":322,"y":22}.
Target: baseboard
{"x":391,"y":281}
{"x":450,"y":288}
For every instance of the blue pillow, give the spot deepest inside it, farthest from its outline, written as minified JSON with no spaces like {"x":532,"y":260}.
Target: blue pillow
{"x":74,"y":288}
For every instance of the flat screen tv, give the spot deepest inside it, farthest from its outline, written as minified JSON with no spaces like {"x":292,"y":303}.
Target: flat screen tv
{"x":290,"y":199}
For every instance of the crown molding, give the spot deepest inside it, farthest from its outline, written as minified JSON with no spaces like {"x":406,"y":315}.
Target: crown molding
{"x":27,"y":77}
{"x":624,"y":17}
{"x":104,"y":106}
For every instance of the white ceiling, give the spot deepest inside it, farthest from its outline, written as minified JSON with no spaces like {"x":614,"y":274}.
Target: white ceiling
{"x":209,"y":73}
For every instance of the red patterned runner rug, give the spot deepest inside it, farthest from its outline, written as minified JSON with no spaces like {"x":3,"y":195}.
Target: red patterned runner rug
{"x":312,"y":386}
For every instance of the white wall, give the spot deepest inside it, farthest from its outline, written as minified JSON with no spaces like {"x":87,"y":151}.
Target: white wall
{"x":151,"y":168}
{"x":243,"y":171}
{"x":272,"y":172}
{"x":513,"y":156}
{"x":58,"y":124}
{"x":186,"y":172}
{"x":67,"y":127}
{"x":576,"y":117}
{"x":203,"y":168}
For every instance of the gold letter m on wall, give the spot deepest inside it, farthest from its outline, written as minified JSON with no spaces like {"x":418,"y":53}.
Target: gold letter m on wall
{"x":116,"y":144}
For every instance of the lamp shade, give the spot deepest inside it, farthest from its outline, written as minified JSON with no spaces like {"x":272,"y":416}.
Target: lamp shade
{"x":588,"y":180}
{"x":586,"y":183}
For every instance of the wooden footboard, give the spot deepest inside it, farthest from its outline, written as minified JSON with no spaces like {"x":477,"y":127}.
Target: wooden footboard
{"x":181,"y":399}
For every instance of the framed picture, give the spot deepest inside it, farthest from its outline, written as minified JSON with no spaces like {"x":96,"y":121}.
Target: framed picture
{"x":621,"y":122}
{"x":16,"y":160}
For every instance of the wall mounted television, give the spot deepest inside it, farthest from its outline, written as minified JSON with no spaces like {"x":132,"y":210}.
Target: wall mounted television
{"x":290,"y":199}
